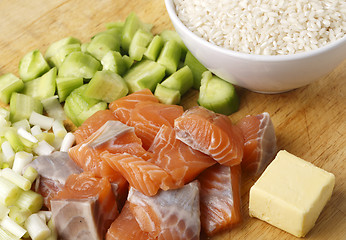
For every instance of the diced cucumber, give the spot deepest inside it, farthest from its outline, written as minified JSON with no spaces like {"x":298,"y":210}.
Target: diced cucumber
{"x":114,"y":62}
{"x":167,"y":95}
{"x":173,"y":35}
{"x":196,"y":67}
{"x":55,"y":47}
{"x":154,"y":48}
{"x":139,"y":44}
{"x":80,"y":65}
{"x":128,"y":61}
{"x":169,"y":56}
{"x":102,"y":43}
{"x":32,"y":66}
{"x":53,"y":108}
{"x":42,"y":87}
{"x":86,"y":114}
{"x":217,"y":95}
{"x":22,"y":105}
{"x":9,"y":83}
{"x":58,"y":58}
{"x":181,"y":80}
{"x":116,"y":25}
{"x":131,"y":25}
{"x":145,"y":74}
{"x":106,"y":86}
{"x":65,"y":85}
{"x":76,"y":103}
{"x":84,"y":47}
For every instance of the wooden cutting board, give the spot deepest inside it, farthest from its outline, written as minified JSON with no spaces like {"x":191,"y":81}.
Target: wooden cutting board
{"x":310,"y":122}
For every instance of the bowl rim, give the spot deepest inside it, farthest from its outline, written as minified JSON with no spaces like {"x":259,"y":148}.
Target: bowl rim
{"x":254,"y":57}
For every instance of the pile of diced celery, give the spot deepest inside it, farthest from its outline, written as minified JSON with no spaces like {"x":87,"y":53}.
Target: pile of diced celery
{"x":73,"y":80}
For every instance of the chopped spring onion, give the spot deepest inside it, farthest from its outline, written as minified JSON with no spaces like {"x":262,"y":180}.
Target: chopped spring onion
{"x":68,"y":142}
{"x":54,"y":233}
{"x":53,"y":108}
{"x":4,"y":113}
{"x":59,"y":129}
{"x":43,"y":121}
{"x":16,"y":178}
{"x":57,"y":143}
{"x":19,"y":215}
{"x":25,"y":134}
{"x":8,"y":152}
{"x":43,"y":148}
{"x":12,"y":227}
{"x":45,"y":215}
{"x":13,"y":138}
{"x":36,"y":130}
{"x":37,"y":228}
{"x":21,"y":159}
{"x":3,"y":211}
{"x":4,"y":122}
{"x":5,"y":235}
{"x":30,"y":200}
{"x":9,"y":192}
{"x":31,"y":174}
{"x":24,"y":123}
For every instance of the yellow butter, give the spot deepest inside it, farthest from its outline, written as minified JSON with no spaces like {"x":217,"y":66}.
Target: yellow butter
{"x":291,"y":194}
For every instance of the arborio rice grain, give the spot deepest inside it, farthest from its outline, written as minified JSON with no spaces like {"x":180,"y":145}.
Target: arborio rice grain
{"x":265,"y":27}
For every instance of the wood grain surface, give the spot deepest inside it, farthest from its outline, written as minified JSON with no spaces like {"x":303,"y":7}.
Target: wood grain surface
{"x":310,"y":122}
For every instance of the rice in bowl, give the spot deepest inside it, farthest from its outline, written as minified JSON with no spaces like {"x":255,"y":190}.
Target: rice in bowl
{"x":265,"y":27}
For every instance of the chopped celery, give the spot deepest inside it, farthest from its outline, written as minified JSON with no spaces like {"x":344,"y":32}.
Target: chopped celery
{"x":102,"y":43}
{"x":9,"y":192}
{"x":139,"y":44}
{"x":32,"y":65}
{"x":42,"y":87}
{"x":79,"y":64}
{"x":65,"y":85}
{"x":145,"y":74}
{"x":167,"y":95}
{"x":57,"y":59}
{"x":37,"y":228}
{"x":173,"y":35}
{"x":217,"y":95}
{"x":76,"y":104}
{"x":181,"y":80}
{"x":21,"y":106}
{"x":106,"y":86}
{"x":29,"y":200}
{"x":9,"y":83}
{"x":41,"y":120}
{"x":19,"y":215}
{"x":55,"y":47}
{"x":154,"y":48}
{"x":53,"y":108}
{"x":169,"y":56}
{"x":196,"y":67}
{"x":12,"y":227}
{"x":114,"y":62}
{"x":16,"y":178}
{"x":24,"y":123}
{"x":30,"y":173}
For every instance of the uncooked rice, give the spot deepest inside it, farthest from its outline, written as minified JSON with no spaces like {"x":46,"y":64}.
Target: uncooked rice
{"x":265,"y":27}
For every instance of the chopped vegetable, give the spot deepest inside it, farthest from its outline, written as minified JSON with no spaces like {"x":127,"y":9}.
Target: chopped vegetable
{"x":32,"y":66}
{"x":21,"y":159}
{"x":196,"y":67}
{"x":68,"y":142}
{"x":113,"y":61}
{"x":154,"y":48}
{"x":169,"y":56}
{"x":9,"y":192}
{"x":102,"y":43}
{"x":16,"y":178}
{"x":9,"y":83}
{"x":139,"y":44}
{"x":37,"y":228}
{"x":181,"y":80}
{"x":29,"y":200}
{"x":21,"y":106}
{"x":53,"y":108}
{"x":167,"y":95}
{"x":41,"y":120}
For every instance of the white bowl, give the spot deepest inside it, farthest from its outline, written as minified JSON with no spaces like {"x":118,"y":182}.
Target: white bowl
{"x":260,"y":73}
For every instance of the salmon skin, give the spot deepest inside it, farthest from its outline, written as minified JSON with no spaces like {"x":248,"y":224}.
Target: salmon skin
{"x":211,"y":133}
{"x":220,"y":198}
{"x":181,"y":161}
{"x":93,"y":123}
{"x":85,"y":206}
{"x":259,"y":142}
{"x":169,"y":215}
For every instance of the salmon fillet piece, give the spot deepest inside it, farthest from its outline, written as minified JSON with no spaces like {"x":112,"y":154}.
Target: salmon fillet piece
{"x":220,"y":198}
{"x":259,"y":143}
{"x":211,"y":133}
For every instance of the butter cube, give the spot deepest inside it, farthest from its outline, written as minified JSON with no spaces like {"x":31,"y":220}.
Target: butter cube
{"x":291,"y":194}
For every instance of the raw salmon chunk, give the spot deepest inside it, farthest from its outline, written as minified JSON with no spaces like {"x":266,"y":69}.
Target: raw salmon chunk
{"x":169,"y":215}
{"x":93,"y":123}
{"x":125,"y":227}
{"x":142,"y":175}
{"x":181,"y":161}
{"x":148,"y":117}
{"x":211,"y":133}
{"x":123,"y":107}
{"x":85,"y":207}
{"x":114,"y":137}
{"x":220,"y":198}
{"x":259,"y":142}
